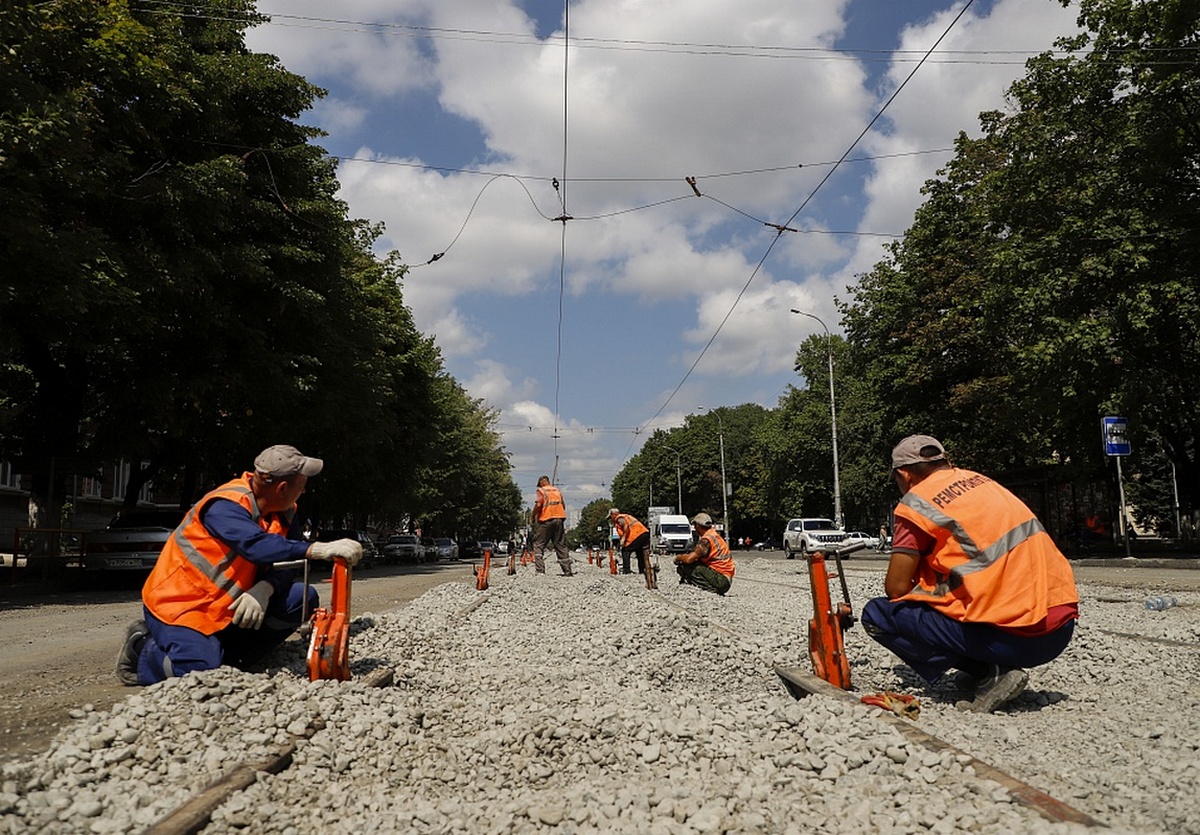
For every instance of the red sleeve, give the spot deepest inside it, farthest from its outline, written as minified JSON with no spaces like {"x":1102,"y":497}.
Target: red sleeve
{"x":908,"y":538}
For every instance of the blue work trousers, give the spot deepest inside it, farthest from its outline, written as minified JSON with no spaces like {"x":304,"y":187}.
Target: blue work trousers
{"x":932,"y":643}
{"x":178,"y":650}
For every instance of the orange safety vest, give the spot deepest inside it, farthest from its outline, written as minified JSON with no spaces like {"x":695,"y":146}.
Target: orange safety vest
{"x":629,"y":528}
{"x":552,"y":504}
{"x":993,"y":562}
{"x":197,"y":576}
{"x":718,"y":558}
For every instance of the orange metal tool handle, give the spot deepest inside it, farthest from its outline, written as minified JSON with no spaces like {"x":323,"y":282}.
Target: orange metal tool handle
{"x":329,"y":646}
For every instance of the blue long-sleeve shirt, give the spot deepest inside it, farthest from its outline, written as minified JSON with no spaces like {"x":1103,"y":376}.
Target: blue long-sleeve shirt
{"x":231,"y":523}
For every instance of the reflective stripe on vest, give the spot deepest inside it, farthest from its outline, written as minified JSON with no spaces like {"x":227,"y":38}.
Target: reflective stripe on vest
{"x":197,"y":577}
{"x":552,"y":504}
{"x":993,"y":561}
{"x":630,"y":528}
{"x":718,"y":558}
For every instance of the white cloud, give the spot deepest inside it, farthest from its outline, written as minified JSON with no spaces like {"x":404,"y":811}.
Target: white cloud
{"x":641,"y":116}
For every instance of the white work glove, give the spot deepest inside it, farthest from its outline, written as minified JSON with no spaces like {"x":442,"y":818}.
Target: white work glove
{"x":347,"y":549}
{"x":251,"y":607}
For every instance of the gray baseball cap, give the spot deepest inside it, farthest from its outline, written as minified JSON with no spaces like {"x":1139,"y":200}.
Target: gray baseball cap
{"x":702,"y":519}
{"x":917,"y":449}
{"x":283,"y":461}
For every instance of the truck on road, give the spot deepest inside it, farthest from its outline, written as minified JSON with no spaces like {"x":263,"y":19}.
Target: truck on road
{"x":669,"y":532}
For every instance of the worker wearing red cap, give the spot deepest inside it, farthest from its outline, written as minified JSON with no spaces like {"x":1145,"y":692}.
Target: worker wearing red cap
{"x":974,"y":582}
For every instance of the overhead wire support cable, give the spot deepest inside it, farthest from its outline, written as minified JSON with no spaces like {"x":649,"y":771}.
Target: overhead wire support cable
{"x":561,"y":187}
{"x":795,"y":214}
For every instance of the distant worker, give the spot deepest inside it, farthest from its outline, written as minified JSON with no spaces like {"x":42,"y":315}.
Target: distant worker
{"x":974,"y":583}
{"x":215,"y":597}
{"x":634,"y":537}
{"x":709,"y":565}
{"x":549,"y":523}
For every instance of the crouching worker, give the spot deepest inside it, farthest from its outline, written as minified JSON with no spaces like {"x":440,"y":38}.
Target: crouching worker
{"x":215,"y":596}
{"x":974,"y":582}
{"x":708,"y":565}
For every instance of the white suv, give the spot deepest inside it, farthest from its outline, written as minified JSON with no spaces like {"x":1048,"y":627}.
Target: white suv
{"x":804,"y":535}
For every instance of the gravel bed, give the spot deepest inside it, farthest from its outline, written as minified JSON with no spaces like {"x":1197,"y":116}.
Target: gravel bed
{"x":588,"y":704}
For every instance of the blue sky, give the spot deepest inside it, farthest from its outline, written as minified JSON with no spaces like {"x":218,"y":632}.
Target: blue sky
{"x":453,"y":119}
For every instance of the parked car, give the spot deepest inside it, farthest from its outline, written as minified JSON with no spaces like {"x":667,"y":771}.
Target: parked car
{"x":447,"y":548}
{"x":402,"y":547}
{"x":470,"y":550}
{"x":370,"y":553}
{"x":860,"y":537}
{"x":131,"y":541}
{"x":811,"y":534}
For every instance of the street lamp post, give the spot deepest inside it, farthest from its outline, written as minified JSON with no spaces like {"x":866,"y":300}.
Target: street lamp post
{"x":837,"y":489}
{"x":678,"y":479}
{"x":724,"y":483}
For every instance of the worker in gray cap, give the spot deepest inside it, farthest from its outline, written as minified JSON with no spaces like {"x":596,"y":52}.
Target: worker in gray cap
{"x":709,"y":565}
{"x":214,"y":596}
{"x":974,"y":582}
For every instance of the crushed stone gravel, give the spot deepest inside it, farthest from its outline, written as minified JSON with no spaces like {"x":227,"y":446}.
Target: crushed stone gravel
{"x":589,"y":704}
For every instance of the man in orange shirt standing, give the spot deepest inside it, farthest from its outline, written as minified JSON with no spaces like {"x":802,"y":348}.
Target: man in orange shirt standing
{"x":974,"y":582}
{"x":550,"y":519}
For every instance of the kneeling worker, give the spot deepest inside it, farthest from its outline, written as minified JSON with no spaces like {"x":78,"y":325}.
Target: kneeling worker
{"x":974,"y":581}
{"x":634,"y":537}
{"x":708,"y":565}
{"x":214,"y":596}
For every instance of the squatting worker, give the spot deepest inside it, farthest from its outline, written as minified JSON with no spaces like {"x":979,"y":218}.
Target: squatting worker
{"x":215,"y":596}
{"x":708,"y":565}
{"x":634,"y":537}
{"x":550,"y":519}
{"x":974,"y":581}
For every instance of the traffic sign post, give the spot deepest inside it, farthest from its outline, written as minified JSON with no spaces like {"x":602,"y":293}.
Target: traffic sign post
{"x":1115,"y":431}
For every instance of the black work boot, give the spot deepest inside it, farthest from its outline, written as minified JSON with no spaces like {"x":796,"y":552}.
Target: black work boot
{"x":131,"y":650}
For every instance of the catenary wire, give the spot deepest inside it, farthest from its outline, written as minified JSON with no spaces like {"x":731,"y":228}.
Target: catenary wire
{"x":807,"y":200}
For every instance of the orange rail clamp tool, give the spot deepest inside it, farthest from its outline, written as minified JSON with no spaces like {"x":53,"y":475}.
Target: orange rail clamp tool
{"x":825,"y":642}
{"x":482,"y":571}
{"x":329,"y":647}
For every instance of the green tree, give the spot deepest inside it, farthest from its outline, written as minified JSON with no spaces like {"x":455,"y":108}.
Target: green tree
{"x":593,"y":526}
{"x":1051,"y":269}
{"x":183,"y":286}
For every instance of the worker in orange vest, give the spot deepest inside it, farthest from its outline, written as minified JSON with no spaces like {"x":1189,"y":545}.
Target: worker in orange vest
{"x":634,"y":537}
{"x":975,"y":583}
{"x":214,"y":596}
{"x":709,"y":565}
{"x":550,"y":519}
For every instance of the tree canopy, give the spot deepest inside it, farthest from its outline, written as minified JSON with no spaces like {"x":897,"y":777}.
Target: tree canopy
{"x":182,"y":285}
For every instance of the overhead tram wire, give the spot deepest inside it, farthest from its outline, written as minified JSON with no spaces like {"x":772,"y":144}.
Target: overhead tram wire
{"x":786,"y":226}
{"x":562,"y":247}
{"x":525,"y":39}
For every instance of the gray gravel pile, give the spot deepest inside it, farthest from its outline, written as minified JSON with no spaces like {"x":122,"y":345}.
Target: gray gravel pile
{"x":589,"y":704}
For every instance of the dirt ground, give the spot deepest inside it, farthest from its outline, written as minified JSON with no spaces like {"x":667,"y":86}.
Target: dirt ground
{"x":60,"y":645}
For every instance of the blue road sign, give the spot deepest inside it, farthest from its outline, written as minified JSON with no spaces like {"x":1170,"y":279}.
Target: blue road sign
{"x":1116,"y":435}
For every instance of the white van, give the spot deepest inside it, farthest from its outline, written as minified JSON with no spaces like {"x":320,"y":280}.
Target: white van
{"x":671,"y":533}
